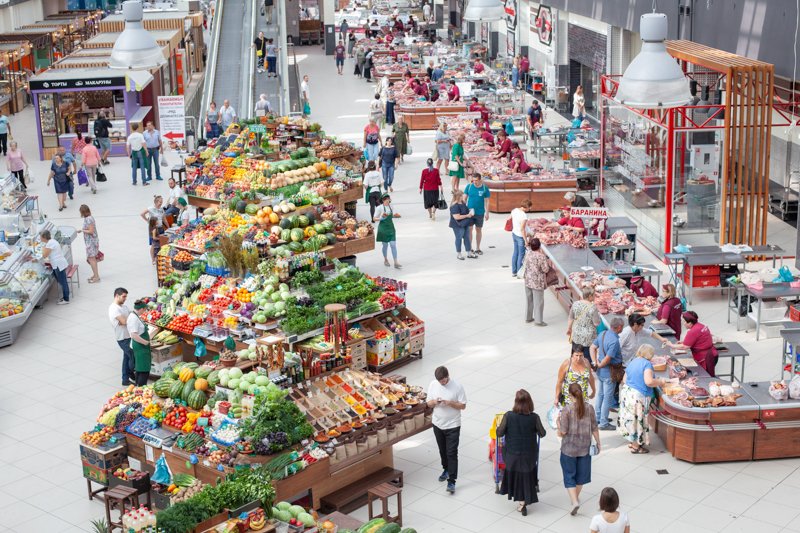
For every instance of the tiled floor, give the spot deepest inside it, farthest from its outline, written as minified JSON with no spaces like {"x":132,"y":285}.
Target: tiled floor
{"x":65,"y":364}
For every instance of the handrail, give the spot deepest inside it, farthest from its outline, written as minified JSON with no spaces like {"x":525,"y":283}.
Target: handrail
{"x":211,"y":64}
{"x":246,"y":105}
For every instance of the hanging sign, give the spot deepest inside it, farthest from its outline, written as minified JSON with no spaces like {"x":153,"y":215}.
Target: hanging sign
{"x":510,"y":7}
{"x":589,"y":212}
{"x":172,"y":121}
{"x":544,"y":25}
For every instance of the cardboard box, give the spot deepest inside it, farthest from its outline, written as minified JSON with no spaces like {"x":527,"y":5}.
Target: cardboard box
{"x":103,"y":458}
{"x":158,"y":369}
{"x":93,"y":473}
{"x":418,"y":329}
{"x":416,"y":344}
{"x":166,"y":353}
{"x":379,"y":351}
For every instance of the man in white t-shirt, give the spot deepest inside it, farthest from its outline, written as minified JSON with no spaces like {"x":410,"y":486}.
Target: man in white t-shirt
{"x":136,"y":147}
{"x":519,"y":216}
{"x":175,"y":192}
{"x":53,"y":254}
{"x":448,"y":399}
{"x":305,"y":93}
{"x":118,"y":314}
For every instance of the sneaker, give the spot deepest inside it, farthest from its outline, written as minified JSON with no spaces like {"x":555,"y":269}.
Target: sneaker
{"x":541,"y":324}
{"x":159,"y":179}
{"x":62,"y":301}
{"x":460,"y":256}
{"x":607,"y":427}
{"x":397,"y":265}
{"x":451,"y":487}
{"x":444,"y":475}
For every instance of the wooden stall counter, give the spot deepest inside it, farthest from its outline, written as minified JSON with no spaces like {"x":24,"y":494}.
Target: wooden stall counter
{"x":427,"y":117}
{"x":545,"y":195}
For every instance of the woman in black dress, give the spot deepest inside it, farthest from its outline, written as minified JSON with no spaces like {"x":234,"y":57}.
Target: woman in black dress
{"x":520,"y":427}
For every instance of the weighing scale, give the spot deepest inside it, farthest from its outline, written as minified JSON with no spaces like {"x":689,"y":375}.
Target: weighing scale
{"x":158,"y":437}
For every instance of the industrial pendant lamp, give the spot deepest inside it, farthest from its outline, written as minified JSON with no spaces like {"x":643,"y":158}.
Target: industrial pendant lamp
{"x":653,"y":79}
{"x":136,"y":48}
{"x":484,"y":11}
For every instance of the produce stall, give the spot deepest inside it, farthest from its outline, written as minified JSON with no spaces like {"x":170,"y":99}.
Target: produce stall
{"x":230,"y":427}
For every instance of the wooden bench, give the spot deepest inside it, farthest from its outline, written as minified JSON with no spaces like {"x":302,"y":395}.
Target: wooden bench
{"x":73,"y":277}
{"x":354,"y":495}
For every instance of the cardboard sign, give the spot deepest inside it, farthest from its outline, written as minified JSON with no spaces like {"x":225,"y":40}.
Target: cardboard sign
{"x":589,"y":212}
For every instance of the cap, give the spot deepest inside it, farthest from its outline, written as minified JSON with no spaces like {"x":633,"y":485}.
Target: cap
{"x":384,"y":196}
{"x":140,"y":304}
{"x":182,"y":201}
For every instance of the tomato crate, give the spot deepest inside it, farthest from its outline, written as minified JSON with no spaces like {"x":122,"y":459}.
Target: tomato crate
{"x":103,"y":458}
{"x":794,"y":313}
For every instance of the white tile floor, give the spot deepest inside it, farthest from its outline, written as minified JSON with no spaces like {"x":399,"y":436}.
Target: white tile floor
{"x":65,"y":364}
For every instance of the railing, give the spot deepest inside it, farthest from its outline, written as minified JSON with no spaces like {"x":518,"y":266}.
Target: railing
{"x":211,"y":64}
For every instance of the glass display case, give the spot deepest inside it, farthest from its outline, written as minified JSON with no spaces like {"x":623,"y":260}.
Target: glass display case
{"x":23,"y":284}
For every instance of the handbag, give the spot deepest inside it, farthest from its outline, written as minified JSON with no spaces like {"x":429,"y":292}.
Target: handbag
{"x":593,"y":449}
{"x":509,"y":224}
{"x":100,"y":176}
{"x":453,"y":166}
{"x":617,"y":372}
{"x":259,"y":53}
{"x":306,"y":108}
{"x":100,"y":256}
{"x":441,"y":203}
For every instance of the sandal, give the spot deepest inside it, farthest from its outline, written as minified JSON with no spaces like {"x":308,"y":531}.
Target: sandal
{"x":479,"y":252}
{"x":639,"y":450}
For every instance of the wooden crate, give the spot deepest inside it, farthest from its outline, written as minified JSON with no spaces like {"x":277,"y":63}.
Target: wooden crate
{"x":416,"y":344}
{"x":415,"y":330}
{"x":356,"y":246}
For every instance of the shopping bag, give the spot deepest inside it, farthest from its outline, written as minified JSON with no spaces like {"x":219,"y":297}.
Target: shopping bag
{"x":164,"y":162}
{"x":199,"y":348}
{"x":440,"y":203}
{"x":509,"y":224}
{"x":100,"y":176}
{"x":83,"y":179}
{"x":28,"y":176}
{"x":162,"y":475}
{"x":306,"y":108}
{"x":409,"y":151}
{"x":453,"y":166}
{"x":552,"y":416}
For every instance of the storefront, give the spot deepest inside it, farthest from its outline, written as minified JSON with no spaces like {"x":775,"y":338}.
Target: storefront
{"x":41,"y":45}
{"x":67,"y":100}
{"x":587,"y":61}
{"x":15,"y":67}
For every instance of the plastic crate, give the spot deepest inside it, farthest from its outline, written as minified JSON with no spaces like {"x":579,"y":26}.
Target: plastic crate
{"x":794,"y":313}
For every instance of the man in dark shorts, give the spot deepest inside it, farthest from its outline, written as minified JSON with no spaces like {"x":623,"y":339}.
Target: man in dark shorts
{"x":340,"y":51}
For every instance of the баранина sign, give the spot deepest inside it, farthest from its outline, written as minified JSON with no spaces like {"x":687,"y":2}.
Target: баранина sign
{"x":52,"y":85}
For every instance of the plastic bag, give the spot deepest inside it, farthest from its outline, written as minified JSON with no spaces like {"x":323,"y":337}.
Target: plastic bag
{"x":794,"y":388}
{"x":162,"y":475}
{"x":785,"y":274}
{"x":778,"y":390}
{"x":199,"y":348}
{"x":552,"y":416}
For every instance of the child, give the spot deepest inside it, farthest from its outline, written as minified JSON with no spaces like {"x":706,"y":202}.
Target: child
{"x":610,"y":520}
{"x":155,"y":245}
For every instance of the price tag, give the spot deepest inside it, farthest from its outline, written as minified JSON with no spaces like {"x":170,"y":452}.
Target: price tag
{"x":258,"y":128}
{"x":148,"y":453}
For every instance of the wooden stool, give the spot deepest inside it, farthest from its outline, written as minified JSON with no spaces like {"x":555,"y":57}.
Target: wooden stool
{"x":383,"y":492}
{"x":180,"y":170}
{"x":117,"y":498}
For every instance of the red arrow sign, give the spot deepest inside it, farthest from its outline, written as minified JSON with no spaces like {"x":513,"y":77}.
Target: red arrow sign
{"x":173,"y":135}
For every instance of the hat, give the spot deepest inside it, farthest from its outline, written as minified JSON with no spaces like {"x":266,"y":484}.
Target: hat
{"x":139,"y":304}
{"x":182,"y":201}
{"x":384,"y":196}
{"x":636,"y":279}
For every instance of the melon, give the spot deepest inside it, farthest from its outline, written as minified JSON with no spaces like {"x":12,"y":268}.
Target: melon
{"x":200,"y":384}
{"x":303,"y":221}
{"x":162,"y":387}
{"x":235,"y":372}
{"x":251,"y":209}
{"x":297,"y":235}
{"x":241,"y":206}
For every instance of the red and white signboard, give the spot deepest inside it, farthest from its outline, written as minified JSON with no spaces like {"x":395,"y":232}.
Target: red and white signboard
{"x":172,"y":121}
{"x":589,"y":212}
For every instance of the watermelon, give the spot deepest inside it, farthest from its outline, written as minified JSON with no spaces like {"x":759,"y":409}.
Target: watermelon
{"x":319,"y":228}
{"x":286,"y":235}
{"x":196,"y":399}
{"x":203,"y":372}
{"x":251,"y":209}
{"x":309,"y":246}
{"x":193,"y":366}
{"x":187,"y":389}
{"x":286,"y":223}
{"x":162,"y":387}
{"x":213,"y":378}
{"x":175,"y":390}
{"x":295,"y":247}
{"x":301,"y":152}
{"x":169,"y":374}
{"x":331,"y":238}
{"x":311,"y":217}
{"x":303,"y":221}
{"x":294,"y":221}
{"x":241,"y":205}
{"x":296,"y":235}
{"x":176,"y":368}
{"x":328,"y":225}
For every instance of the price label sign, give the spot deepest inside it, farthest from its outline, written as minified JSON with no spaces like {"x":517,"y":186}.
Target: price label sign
{"x":589,"y":212}
{"x":258,"y":128}
{"x":172,"y":121}
{"x":769,"y":414}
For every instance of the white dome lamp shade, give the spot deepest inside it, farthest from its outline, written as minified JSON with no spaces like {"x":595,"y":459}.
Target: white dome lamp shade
{"x":654,"y":78}
{"x":136,"y":48}
{"x":484,"y":11}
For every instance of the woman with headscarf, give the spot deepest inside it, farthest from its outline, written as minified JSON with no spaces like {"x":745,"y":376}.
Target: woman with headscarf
{"x":430,"y":187}
{"x":402,"y":136}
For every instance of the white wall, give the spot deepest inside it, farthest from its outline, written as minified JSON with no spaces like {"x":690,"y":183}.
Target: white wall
{"x":12,"y":17}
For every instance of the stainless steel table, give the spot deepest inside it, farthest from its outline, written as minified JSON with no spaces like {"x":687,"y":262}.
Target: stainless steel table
{"x":714,"y":258}
{"x":791,"y":348}
{"x":770,"y":291}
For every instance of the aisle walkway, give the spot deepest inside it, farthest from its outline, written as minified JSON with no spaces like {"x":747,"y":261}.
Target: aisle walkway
{"x":66,"y":364}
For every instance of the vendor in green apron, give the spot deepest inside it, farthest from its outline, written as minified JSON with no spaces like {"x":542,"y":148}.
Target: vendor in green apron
{"x":140,"y":343}
{"x":384,"y":216}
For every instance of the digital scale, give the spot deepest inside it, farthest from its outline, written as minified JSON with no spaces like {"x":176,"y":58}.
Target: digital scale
{"x":159,"y":437}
